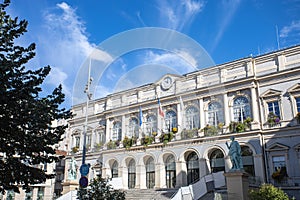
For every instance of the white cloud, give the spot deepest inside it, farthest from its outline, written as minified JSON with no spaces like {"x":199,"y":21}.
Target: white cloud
{"x":180,"y":61}
{"x":177,"y":16}
{"x":229,"y":9}
{"x":293,"y":28}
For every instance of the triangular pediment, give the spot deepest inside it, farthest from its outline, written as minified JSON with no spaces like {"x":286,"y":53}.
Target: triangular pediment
{"x":278,"y":147}
{"x":271,"y":93}
{"x":297,"y":147}
{"x":294,"y":88}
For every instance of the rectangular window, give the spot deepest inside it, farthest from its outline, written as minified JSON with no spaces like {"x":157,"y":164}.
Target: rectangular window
{"x":274,"y":108}
{"x":298,"y":104}
{"x":77,"y":141}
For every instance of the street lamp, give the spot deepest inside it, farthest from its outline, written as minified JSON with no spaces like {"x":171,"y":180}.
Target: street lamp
{"x":89,"y":96}
{"x":84,"y":169}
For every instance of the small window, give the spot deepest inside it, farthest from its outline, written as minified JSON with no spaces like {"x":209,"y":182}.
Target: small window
{"x":273,"y":107}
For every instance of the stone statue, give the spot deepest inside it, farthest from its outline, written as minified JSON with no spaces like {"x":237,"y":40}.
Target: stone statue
{"x":235,"y":154}
{"x":72,"y":169}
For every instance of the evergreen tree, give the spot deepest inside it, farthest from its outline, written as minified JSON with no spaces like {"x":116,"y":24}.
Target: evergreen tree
{"x":26,"y":135}
{"x":100,"y":189}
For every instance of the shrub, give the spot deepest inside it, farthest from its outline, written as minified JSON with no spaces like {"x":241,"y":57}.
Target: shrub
{"x":100,"y":189}
{"x":268,"y":192}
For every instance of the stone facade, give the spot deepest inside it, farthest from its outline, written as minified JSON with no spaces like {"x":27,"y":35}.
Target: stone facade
{"x":255,"y":99}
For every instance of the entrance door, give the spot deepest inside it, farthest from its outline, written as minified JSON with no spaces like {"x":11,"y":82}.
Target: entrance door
{"x":170,"y":172}
{"x":131,"y":174}
{"x":150,"y":173}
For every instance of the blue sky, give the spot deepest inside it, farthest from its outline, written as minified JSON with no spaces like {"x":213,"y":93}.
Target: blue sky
{"x":67,"y":31}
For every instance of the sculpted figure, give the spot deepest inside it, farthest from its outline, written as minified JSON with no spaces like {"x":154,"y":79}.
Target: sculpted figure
{"x":235,"y":154}
{"x":72,"y":170}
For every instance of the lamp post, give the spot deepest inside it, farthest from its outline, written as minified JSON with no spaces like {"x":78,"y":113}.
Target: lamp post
{"x":89,"y":96}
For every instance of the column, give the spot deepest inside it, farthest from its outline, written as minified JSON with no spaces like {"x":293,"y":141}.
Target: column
{"x":226,"y":109}
{"x":160,"y":176}
{"x":107,"y":131}
{"x":201,"y":110}
{"x":203,"y":167}
{"x":181,"y":174}
{"x":123,"y":126}
{"x":179,"y":122}
{"x":254,"y":107}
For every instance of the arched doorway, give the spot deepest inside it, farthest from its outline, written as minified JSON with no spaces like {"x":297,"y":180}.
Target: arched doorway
{"x":247,"y":158}
{"x":192,"y":162}
{"x":150,"y":173}
{"x":114,"y":169}
{"x":170,"y":171}
{"x":131,"y":174}
{"x":216,"y":160}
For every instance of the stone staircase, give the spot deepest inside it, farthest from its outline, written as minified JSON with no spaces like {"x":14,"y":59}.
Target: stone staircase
{"x":149,"y":194}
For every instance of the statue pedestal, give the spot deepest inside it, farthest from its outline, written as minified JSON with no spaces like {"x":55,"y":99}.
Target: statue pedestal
{"x":70,"y":185}
{"x":237,"y":185}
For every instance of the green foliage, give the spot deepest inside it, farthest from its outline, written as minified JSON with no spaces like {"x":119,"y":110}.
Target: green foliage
{"x":99,"y":189}
{"x":268,"y":192}
{"x":238,"y":127}
{"x":27,"y":137}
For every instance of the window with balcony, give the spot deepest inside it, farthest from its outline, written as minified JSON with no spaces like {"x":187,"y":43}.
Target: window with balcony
{"x":215,"y":114}
{"x":133,"y":128}
{"x":192,"y":118}
{"x":241,"y":109}
{"x":117,"y":131}
{"x":170,"y":120}
{"x":151,"y":124}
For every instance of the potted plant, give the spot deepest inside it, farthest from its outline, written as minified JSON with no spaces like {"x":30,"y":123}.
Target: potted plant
{"x":127,"y":142}
{"x":111,"y":144}
{"x":273,"y":119}
{"x":75,"y":149}
{"x":166,"y":137}
{"x":147,"y":140}
{"x":279,"y":174}
{"x":174,"y":129}
{"x":99,"y":145}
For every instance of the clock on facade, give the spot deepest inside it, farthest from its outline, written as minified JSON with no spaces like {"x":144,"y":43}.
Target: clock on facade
{"x":166,"y":83}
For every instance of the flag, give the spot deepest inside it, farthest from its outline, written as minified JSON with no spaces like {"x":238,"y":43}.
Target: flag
{"x":160,"y":111}
{"x":141,"y":116}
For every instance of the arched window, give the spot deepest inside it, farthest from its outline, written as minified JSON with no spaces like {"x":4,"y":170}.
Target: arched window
{"x":151,"y":124}
{"x":192,"y":118}
{"x":170,"y":171}
{"x":215,"y":114}
{"x":247,"y":158}
{"x":216,"y":160}
{"x":241,"y":109}
{"x":117,"y":131}
{"x":150,"y":173}
{"x":170,"y":120}
{"x":133,"y":127}
{"x":192,"y":168}
{"x":114,"y":169}
{"x":131,"y":174}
